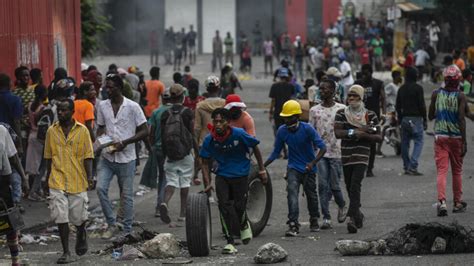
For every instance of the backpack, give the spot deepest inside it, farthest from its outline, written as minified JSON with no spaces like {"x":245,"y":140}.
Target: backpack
{"x":176,"y":135}
{"x":46,"y":119}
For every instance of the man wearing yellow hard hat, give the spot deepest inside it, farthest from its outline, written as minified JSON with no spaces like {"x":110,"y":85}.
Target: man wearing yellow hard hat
{"x":303,"y":141}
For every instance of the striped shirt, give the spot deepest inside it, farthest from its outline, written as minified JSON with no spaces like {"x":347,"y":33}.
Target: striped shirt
{"x":68,"y":154}
{"x":447,"y":114}
{"x":354,"y":151}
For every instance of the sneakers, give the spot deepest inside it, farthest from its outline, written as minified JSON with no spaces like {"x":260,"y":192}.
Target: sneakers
{"x":442,"y":209}
{"x":342,"y":214}
{"x":459,"y":207}
{"x":182,"y":219}
{"x":413,"y":172}
{"x":313,"y":225}
{"x":359,"y":221}
{"x":157,"y":212}
{"x":212,"y":200}
{"x":164,"y":213}
{"x":35,"y":197}
{"x":109,"y":232}
{"x":351,"y":227}
{"x":326,"y":224}
{"x":293,"y":229}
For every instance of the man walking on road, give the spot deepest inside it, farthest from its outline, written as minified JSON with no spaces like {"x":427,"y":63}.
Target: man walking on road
{"x":411,"y":110}
{"x":374,"y":101}
{"x":355,"y":125}
{"x":229,"y":49}
{"x":177,"y":141}
{"x":124,"y":122}
{"x":230,"y":148}
{"x":302,"y":140}
{"x":280,"y":92}
{"x":322,"y":117}
{"x":216,"y":52}
{"x":68,"y":153}
{"x":448,"y":107}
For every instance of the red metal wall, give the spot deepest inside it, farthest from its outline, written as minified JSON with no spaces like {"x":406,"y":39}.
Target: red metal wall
{"x":296,"y":18}
{"x":40,"y":33}
{"x":330,"y":12}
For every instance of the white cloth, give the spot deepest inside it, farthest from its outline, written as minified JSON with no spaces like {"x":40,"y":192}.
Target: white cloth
{"x":120,"y":128}
{"x":421,"y":56}
{"x":7,"y":150}
{"x":433,"y":32}
{"x":345,"y":68}
{"x":323,"y":119}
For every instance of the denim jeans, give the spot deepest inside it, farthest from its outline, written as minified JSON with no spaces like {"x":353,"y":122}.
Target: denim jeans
{"x":161,"y":178}
{"x":329,"y":173}
{"x":308,"y":180}
{"x":125,"y":173}
{"x":411,"y":131}
{"x":15,"y":184}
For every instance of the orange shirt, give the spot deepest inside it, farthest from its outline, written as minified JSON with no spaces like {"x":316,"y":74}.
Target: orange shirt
{"x":83,"y":111}
{"x":245,"y":122}
{"x":460,"y":63}
{"x":154,"y":89}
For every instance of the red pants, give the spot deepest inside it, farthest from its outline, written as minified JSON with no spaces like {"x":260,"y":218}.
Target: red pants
{"x":449,"y":150}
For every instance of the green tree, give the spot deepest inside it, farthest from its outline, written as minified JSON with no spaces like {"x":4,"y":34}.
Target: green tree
{"x":93,"y":24}
{"x":459,"y":14}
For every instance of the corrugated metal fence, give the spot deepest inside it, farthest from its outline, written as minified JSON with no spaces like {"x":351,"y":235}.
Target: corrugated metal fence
{"x":40,"y":33}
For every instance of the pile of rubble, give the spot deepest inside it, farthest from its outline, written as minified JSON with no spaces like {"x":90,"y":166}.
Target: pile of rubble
{"x":414,"y":239}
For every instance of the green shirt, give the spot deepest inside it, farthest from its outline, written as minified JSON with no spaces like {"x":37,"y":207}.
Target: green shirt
{"x":466,"y":87}
{"x":155,"y":121}
{"x":377,"y":44}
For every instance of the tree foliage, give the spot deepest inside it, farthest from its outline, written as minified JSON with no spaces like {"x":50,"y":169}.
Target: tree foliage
{"x":93,"y":24}
{"x":459,"y":14}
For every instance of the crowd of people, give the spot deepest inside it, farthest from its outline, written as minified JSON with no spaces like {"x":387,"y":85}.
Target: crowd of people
{"x":59,"y":141}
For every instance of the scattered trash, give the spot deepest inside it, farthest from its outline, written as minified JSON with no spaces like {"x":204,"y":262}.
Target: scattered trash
{"x":415,"y":239}
{"x":162,"y":246}
{"x":38,"y":239}
{"x":131,"y":253}
{"x":177,"y":261}
{"x":270,"y":253}
{"x":116,"y":254}
{"x":353,"y":247}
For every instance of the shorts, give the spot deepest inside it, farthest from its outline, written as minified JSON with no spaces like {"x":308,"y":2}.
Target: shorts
{"x":67,"y":208}
{"x":179,"y":173}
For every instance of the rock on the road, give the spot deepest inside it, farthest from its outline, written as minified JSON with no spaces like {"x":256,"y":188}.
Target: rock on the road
{"x":439,"y":246}
{"x":378,"y":247}
{"x":270,"y":253}
{"x":162,"y":246}
{"x":352,"y":247}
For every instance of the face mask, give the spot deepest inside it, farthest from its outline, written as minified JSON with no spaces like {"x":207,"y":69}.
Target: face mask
{"x":220,"y":131}
{"x":452,"y":84}
{"x":355,"y":104}
{"x":292,"y":124}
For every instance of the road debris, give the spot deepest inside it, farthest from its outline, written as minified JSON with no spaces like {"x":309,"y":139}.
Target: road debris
{"x":162,"y":246}
{"x":270,"y":253}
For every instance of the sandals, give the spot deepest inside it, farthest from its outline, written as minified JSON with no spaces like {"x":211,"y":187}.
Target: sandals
{"x":164,"y":213}
{"x":229,"y":249}
{"x":65,"y":259}
{"x":246,"y":234}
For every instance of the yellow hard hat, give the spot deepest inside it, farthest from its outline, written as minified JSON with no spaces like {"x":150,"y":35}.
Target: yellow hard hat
{"x":290,"y":108}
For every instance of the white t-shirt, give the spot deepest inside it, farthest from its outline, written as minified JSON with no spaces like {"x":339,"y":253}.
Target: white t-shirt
{"x":391,"y":91}
{"x":420,"y":57}
{"x":7,"y":150}
{"x":345,"y":68}
{"x":120,"y":128}
{"x":268,"y":48}
{"x":433,"y":32}
{"x":323,"y":119}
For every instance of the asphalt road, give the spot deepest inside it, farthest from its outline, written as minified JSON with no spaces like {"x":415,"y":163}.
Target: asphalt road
{"x":389,"y":201}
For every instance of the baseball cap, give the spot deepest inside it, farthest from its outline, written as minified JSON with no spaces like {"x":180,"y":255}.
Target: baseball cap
{"x":233,"y":100}
{"x":332,"y":71}
{"x":176,"y":90}
{"x":283,"y":72}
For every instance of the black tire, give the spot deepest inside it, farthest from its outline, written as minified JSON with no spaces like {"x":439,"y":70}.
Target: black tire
{"x":260,"y":200}
{"x":198,"y":225}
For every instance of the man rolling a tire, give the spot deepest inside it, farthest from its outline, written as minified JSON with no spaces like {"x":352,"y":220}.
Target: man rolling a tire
{"x":230,"y":148}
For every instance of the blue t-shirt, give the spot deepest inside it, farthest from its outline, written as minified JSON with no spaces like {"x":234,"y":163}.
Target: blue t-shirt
{"x":232,"y":156}
{"x":301,"y":146}
{"x":10,"y":107}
